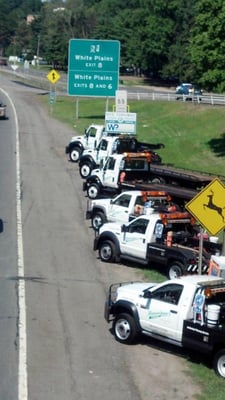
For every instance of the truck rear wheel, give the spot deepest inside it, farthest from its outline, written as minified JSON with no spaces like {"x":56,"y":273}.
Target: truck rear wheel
{"x":85,"y":170}
{"x":93,"y":191}
{"x":175,"y":270}
{"x":98,"y":220}
{"x":124,"y":328}
{"x":219,"y":363}
{"x":75,"y":154}
{"x":107,"y":251}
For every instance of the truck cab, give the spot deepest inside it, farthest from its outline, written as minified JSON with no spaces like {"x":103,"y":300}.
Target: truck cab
{"x":91,"y":159}
{"x":161,"y":239}
{"x":89,"y":140}
{"x":177,"y":312}
{"x":111,"y":172}
{"x":125,"y":206}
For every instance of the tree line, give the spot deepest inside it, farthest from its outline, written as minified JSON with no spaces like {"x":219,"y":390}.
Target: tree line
{"x":177,"y":40}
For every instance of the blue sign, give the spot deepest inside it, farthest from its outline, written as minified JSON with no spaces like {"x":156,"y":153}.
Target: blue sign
{"x":93,"y":68}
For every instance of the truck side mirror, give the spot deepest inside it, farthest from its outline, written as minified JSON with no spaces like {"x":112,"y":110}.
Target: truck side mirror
{"x":124,"y":228}
{"x":147,"y":295}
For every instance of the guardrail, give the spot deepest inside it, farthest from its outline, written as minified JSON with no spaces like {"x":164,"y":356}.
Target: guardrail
{"x":211,"y":99}
{"x":147,"y":94}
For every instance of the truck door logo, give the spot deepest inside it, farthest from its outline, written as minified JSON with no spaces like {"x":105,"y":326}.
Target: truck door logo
{"x":160,"y":314}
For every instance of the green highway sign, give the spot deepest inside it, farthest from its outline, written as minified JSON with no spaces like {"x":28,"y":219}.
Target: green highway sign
{"x":93,"y":67}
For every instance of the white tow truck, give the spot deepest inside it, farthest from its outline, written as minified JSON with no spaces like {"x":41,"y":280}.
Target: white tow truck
{"x":90,"y":140}
{"x":188,"y":312}
{"x":168,"y":241}
{"x":92,"y":158}
{"x":139,"y":169}
{"x":127,"y":205}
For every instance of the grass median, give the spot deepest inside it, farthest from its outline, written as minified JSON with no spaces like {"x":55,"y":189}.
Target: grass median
{"x":193,"y":134}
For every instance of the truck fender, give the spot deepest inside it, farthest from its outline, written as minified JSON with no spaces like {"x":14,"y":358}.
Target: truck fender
{"x":76,"y":143}
{"x":107,"y":236}
{"x":97,"y":209}
{"x":123,"y":306}
{"x":85,"y":159}
{"x":93,"y":179}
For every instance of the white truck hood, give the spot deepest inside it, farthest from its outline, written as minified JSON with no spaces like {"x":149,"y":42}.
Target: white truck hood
{"x":102,"y":202}
{"x":88,"y":151}
{"x":74,"y":138}
{"x":133,"y":291}
{"x":110,"y":226}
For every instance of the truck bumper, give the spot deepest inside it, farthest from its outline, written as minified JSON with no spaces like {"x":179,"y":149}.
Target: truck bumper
{"x":106,"y":311}
{"x":96,"y":240}
{"x":88,"y":214}
{"x":84,"y":186}
{"x":67,"y":149}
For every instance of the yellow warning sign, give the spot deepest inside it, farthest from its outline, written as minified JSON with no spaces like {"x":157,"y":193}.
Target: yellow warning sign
{"x":53,"y":76}
{"x":208,"y":207}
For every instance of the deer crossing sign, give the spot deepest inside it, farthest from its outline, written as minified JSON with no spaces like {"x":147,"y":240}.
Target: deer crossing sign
{"x":208,"y":207}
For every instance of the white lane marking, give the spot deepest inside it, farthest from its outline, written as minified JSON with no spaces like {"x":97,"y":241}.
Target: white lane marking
{"x":22,"y":339}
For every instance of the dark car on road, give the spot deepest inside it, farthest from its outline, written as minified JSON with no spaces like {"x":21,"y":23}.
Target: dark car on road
{"x":188,"y":91}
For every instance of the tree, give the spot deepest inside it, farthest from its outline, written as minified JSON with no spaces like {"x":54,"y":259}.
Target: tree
{"x":208,"y":44}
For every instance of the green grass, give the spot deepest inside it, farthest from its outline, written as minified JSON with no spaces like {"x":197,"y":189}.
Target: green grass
{"x":194,"y":138}
{"x":193,"y":134}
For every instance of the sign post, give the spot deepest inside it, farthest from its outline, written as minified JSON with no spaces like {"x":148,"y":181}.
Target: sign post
{"x":53,"y":76}
{"x":208,"y":208}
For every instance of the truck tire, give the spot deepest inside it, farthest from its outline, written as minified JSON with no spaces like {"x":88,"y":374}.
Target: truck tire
{"x":219,"y":363}
{"x":75,"y":154}
{"x":98,"y":220}
{"x":107,"y":251}
{"x":85,"y":170}
{"x":124,"y":328}
{"x":175,"y":269}
{"x":93,"y":191}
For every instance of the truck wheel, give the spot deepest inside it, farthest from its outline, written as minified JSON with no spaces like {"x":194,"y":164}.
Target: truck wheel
{"x":98,"y":220}
{"x":124,"y":328}
{"x":175,"y":269}
{"x":75,"y":154}
{"x":219,"y":363}
{"x":107,"y":251}
{"x":85,"y":170}
{"x":93,"y":191}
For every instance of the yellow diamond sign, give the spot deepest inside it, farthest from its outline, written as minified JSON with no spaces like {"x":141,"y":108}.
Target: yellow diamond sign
{"x":208,"y":207}
{"x":53,"y":76}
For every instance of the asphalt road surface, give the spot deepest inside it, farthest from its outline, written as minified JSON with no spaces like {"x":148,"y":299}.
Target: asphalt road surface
{"x":70,"y":353}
